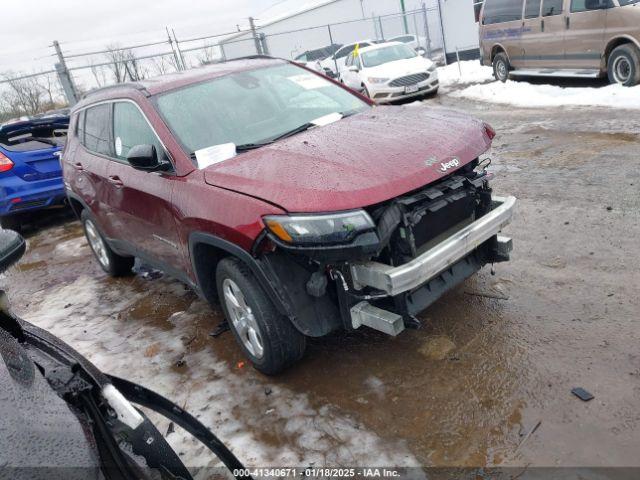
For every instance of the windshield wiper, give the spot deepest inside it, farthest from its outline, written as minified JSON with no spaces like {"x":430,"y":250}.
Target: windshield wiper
{"x":252,"y":146}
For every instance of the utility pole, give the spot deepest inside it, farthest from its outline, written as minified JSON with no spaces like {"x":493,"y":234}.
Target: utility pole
{"x":184,"y":65}
{"x":256,"y":39}
{"x":426,"y":29}
{"x":65,"y":77}
{"x":404,"y":17}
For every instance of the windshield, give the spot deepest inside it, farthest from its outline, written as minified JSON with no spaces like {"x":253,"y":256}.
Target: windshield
{"x":384,"y":55}
{"x":251,"y":107}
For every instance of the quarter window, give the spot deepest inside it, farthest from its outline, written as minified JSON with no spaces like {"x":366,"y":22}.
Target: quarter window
{"x":130,"y":128}
{"x":80,"y":126}
{"x":552,"y":7}
{"x":532,"y":8}
{"x":500,"y":11}
{"x":96,"y":129}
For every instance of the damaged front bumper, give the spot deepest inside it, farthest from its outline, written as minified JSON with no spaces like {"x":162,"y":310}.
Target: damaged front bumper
{"x":421,"y":281}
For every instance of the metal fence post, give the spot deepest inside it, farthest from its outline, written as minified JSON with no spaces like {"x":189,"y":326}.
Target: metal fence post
{"x":444,"y":40}
{"x":426,"y":29}
{"x":263,"y":44}
{"x":65,"y":76}
{"x":223,"y":54}
{"x":381,"y":29}
{"x":184,"y":65}
{"x":256,"y":40}
{"x":335,"y":61}
{"x":175,"y":55}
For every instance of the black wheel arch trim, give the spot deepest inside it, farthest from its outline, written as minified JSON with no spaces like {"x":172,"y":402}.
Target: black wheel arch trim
{"x":269,"y":283}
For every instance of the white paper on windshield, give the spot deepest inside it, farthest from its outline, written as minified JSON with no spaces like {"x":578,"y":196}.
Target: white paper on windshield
{"x":309,"y":81}
{"x":327,"y":119}
{"x":216,"y":154}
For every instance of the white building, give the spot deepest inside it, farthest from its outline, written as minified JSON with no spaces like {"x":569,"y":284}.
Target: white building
{"x":293,"y":27}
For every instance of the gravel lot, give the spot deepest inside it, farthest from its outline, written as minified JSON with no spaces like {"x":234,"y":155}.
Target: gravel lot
{"x":498,"y":356}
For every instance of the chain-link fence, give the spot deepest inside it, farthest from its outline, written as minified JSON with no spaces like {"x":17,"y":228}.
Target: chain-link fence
{"x":77,"y":72}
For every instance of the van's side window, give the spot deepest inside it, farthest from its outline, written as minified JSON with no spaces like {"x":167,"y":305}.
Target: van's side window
{"x":500,"y":11}
{"x":532,"y":8}
{"x":97,"y":131}
{"x":552,"y":7}
{"x":585,"y":6}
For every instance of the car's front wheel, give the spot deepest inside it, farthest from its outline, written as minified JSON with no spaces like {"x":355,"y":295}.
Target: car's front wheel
{"x":112,"y":263}
{"x":501,"y":67}
{"x":623,"y":66}
{"x":267,"y":338}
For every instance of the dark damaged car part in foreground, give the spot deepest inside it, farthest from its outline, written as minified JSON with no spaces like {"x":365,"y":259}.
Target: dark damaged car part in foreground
{"x":291,"y":200}
{"x":61,"y":417}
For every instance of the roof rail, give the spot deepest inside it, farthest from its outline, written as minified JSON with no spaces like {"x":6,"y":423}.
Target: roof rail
{"x":134,"y":85}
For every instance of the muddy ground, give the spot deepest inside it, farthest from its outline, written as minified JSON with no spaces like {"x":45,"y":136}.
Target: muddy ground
{"x":497,"y":357}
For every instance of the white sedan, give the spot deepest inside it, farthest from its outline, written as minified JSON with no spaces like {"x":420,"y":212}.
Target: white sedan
{"x":390,"y":71}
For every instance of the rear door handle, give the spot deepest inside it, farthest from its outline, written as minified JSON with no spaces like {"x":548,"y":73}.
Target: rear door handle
{"x":543,"y":25}
{"x":116,"y":182}
{"x":78,"y":167}
{"x":568,"y":20}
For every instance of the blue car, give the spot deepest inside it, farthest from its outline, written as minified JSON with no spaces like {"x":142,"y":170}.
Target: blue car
{"x":30,"y":172}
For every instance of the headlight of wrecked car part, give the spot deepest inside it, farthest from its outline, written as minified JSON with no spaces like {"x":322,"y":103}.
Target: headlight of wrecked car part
{"x":319,"y":229}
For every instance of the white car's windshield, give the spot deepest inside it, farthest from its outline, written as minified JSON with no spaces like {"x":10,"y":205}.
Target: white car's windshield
{"x":252,"y":107}
{"x":384,"y":55}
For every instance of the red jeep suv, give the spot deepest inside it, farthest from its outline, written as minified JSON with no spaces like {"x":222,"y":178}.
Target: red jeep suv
{"x":297,"y":204}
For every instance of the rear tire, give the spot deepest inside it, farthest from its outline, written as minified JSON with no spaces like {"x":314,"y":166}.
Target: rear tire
{"x":623,"y":66}
{"x":11,"y":222}
{"x":112,"y":263}
{"x":267,"y":338}
{"x":501,"y":67}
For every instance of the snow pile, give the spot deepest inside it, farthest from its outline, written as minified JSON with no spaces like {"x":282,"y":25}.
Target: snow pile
{"x":523,"y":94}
{"x":472,"y":72}
{"x":477,"y":83}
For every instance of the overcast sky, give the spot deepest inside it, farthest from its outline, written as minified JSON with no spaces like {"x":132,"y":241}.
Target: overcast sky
{"x":29,"y":26}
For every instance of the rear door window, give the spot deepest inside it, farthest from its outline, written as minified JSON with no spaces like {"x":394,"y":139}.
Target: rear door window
{"x":97,"y":131}
{"x":586,"y":6}
{"x":130,"y":128}
{"x":532,"y":8}
{"x":552,"y":7}
{"x":501,"y":11}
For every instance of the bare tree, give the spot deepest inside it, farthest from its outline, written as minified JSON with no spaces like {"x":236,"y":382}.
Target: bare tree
{"x":23,"y":95}
{"x":164,"y":64}
{"x":98,"y":75}
{"x":124,"y":65}
{"x":208,"y":55}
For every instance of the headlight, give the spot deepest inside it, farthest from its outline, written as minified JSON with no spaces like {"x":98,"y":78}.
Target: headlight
{"x":432,"y":68}
{"x":378,"y":80}
{"x":319,"y":229}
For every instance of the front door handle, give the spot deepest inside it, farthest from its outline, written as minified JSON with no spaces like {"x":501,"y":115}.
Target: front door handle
{"x":543,"y":25}
{"x":116,"y":182}
{"x":568,"y":21}
{"x":78,"y":167}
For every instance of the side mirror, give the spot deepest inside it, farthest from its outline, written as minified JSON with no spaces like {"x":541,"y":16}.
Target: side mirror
{"x":145,"y":157}
{"x":421,"y":51}
{"x":12,"y":247}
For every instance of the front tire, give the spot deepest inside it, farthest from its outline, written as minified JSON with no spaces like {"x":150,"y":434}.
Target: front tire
{"x":623,"y":66}
{"x":267,"y":338}
{"x":112,"y":263}
{"x":501,"y":67}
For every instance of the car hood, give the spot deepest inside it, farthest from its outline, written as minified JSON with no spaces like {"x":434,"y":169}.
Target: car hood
{"x":359,"y":161}
{"x":399,"y":68}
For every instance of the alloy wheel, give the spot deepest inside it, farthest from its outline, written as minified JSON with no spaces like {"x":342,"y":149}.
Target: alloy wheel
{"x":97,"y":243}
{"x":242,"y":317}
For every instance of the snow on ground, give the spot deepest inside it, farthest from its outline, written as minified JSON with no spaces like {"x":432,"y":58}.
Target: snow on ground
{"x":472,"y":72}
{"x":477,"y":83}
{"x":98,"y":319}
